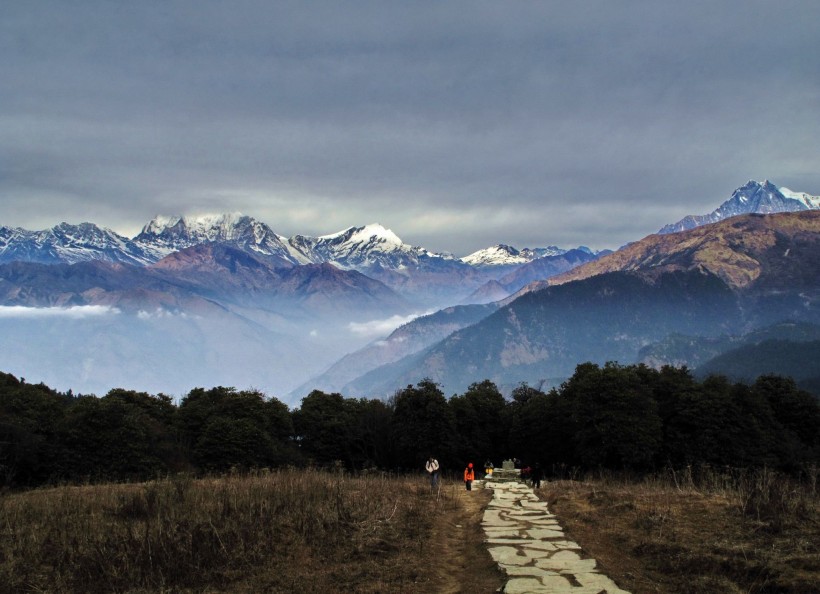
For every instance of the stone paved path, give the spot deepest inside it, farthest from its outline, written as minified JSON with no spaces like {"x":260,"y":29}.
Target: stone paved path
{"x":526,"y":541}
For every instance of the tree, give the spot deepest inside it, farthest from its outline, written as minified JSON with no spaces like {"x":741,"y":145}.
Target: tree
{"x":225,"y":428}
{"x":108,"y":439}
{"x":29,"y":417}
{"x":615,"y":418}
{"x":324,"y":426}
{"x":797,"y":414}
{"x":422,"y":425}
{"x":706,"y":423}
{"x":158,"y":416}
{"x":226,"y":443}
{"x":480,"y":422}
{"x":373,"y":445}
{"x":515,"y":416}
{"x":545,"y":430}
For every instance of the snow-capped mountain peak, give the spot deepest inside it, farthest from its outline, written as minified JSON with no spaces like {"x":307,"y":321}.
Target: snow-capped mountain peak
{"x":497,"y":255}
{"x":165,"y":235}
{"x":505,"y":255}
{"x":364,"y":247}
{"x":210,"y":226}
{"x":753,"y":197}
{"x":367,"y":234}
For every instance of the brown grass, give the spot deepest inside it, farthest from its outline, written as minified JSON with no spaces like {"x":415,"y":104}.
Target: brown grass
{"x":731,"y":531}
{"x":284,"y":531}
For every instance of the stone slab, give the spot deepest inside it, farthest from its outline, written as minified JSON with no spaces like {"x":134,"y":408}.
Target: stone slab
{"x":527,"y":542}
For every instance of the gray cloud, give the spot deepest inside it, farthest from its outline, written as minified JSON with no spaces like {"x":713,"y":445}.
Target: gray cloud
{"x":456,"y":124}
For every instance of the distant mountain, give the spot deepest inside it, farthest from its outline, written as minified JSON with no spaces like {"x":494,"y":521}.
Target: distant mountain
{"x":428,"y":278}
{"x":208,"y":313}
{"x":209,"y":280}
{"x":726,"y":278}
{"x":754,"y":197}
{"x":218,"y":273}
{"x":680,"y":350}
{"x":798,"y":360}
{"x":408,"y":339}
{"x":505,"y":255}
{"x":370,"y":247}
{"x":539,"y":269}
{"x":69,"y":244}
{"x":431,"y":279}
{"x":166,"y":235}
{"x":778,"y":251}
{"x":544,"y":334}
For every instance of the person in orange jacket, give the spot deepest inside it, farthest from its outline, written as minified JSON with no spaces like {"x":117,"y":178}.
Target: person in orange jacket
{"x":469,"y":476}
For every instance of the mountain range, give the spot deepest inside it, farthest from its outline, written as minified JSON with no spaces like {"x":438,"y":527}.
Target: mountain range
{"x":219,"y":299}
{"x":225,"y":300}
{"x":427,"y":278}
{"x":730,"y":277}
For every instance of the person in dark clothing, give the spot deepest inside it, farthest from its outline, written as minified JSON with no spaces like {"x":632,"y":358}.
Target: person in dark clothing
{"x":536,"y":474}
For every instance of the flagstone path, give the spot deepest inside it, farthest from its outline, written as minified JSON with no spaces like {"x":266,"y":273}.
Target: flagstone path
{"x":526,"y":541}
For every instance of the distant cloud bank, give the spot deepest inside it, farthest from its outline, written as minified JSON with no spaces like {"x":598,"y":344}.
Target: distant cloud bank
{"x":375,"y":328}
{"x":75,"y":312}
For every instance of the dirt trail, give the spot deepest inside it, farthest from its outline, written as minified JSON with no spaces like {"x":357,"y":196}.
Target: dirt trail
{"x":463,"y":563}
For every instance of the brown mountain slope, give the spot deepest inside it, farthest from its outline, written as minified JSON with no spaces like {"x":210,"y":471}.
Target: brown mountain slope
{"x":743,"y":251}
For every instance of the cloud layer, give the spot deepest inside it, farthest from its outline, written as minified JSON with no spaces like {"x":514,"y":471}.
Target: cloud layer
{"x":457,"y":124}
{"x":76,"y":312}
{"x":376,"y":328}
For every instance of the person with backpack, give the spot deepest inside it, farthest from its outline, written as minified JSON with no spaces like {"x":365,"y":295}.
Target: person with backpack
{"x":469,"y":476}
{"x":432,"y":469}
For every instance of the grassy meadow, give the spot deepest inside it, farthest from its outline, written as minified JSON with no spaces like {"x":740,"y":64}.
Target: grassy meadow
{"x":727,"y":531}
{"x":279,"y":531}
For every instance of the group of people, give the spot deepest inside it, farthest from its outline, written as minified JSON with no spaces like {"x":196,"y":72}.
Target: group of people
{"x":535,"y":474}
{"x":432,"y":468}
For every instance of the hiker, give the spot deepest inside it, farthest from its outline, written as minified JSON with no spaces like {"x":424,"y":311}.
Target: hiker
{"x":488,"y":468}
{"x":536,"y":475}
{"x":432,"y":470}
{"x":469,"y":476}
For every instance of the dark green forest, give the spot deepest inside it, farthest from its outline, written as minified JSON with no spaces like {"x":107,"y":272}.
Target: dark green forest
{"x":615,"y":417}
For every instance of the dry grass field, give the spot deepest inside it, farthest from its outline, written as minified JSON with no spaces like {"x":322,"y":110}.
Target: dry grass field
{"x":313,"y":531}
{"x":283,"y":531}
{"x":730,"y":532}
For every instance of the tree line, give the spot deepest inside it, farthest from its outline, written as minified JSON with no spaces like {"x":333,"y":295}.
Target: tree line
{"x":603,"y":417}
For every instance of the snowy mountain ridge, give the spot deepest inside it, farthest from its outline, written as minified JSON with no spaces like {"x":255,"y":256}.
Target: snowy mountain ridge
{"x":505,"y":255}
{"x":166,"y":235}
{"x":358,"y":248}
{"x":371,"y":249}
{"x":812,"y":202}
{"x":70,"y":244}
{"x":361,"y":248}
{"x":754,"y":197}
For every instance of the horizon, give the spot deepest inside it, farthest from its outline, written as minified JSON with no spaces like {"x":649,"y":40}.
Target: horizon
{"x":133,"y":231}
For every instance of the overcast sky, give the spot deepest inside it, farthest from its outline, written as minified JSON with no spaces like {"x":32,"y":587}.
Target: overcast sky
{"x":458,"y":125}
